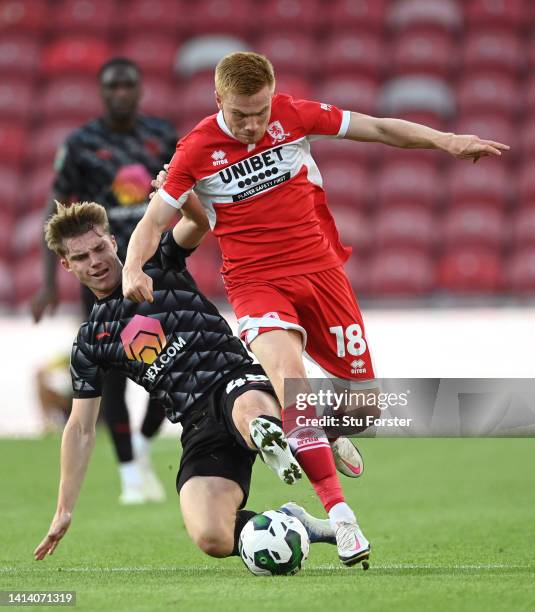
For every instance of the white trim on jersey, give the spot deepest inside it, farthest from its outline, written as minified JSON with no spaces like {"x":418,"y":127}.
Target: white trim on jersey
{"x":223,"y":125}
{"x":251,"y":325}
{"x":355,"y":383}
{"x":346,"y":116}
{"x":171,"y":201}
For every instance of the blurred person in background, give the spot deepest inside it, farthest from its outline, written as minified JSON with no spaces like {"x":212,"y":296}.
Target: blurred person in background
{"x":111,"y":160}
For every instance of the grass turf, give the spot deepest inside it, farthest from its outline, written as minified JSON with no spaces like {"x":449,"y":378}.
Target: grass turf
{"x":451,"y":522}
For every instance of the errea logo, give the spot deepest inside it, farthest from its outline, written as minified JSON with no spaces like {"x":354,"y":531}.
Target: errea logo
{"x":219,"y":158}
{"x":356,"y":366}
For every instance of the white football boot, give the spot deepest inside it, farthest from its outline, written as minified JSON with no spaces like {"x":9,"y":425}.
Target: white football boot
{"x":352,"y":546}
{"x":347,"y":457}
{"x":274,"y":449}
{"x":319,"y":530}
{"x":151,"y":486}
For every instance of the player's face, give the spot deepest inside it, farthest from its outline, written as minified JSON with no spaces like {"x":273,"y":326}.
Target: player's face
{"x":120,"y":90}
{"x":247,"y":117}
{"x":92,"y":258}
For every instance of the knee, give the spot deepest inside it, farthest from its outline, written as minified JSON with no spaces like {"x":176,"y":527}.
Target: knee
{"x":215,"y":543}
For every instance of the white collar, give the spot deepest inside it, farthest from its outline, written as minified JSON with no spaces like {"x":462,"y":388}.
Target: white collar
{"x":222,"y":124}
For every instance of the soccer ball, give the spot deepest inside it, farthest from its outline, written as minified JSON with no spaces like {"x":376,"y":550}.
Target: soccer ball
{"x":273,"y":543}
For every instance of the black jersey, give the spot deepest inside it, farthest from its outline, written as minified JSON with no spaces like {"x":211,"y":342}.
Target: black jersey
{"x":178,"y":347}
{"x":115,"y":169}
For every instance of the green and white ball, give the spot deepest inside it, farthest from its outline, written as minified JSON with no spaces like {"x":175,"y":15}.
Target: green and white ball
{"x":273,"y":544}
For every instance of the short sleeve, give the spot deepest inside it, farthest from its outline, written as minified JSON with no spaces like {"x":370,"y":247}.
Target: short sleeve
{"x":86,"y":375}
{"x":179,"y":182}
{"x":67,"y":173}
{"x":171,"y":255}
{"x":321,"y":119}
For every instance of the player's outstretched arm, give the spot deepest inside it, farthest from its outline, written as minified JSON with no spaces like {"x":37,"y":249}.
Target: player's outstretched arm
{"x":409,"y":135}
{"x":76,"y":448}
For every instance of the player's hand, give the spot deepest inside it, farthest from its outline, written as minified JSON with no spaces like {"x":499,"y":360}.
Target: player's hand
{"x":137,"y":286}
{"x":45,"y":298}
{"x":58,"y":528}
{"x":472,"y":147}
{"x":159,"y":180}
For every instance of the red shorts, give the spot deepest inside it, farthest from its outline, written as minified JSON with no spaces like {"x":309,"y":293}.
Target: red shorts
{"x":320,"y":305}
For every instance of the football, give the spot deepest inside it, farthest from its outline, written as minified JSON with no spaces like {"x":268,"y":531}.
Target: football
{"x":274,"y":544}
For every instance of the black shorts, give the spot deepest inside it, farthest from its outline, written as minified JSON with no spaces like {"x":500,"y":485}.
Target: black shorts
{"x":211,"y":445}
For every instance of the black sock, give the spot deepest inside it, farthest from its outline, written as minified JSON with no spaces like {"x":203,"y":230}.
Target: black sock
{"x":113,"y":406}
{"x":242,"y":516}
{"x":153,"y":418}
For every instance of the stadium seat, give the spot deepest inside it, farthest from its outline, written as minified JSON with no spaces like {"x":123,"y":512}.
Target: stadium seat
{"x":85,"y":17}
{"x":417,"y":94}
{"x":470,"y":270}
{"x":423,"y":53}
{"x":358,"y":273}
{"x":196,"y":98}
{"x":364,"y":15}
{"x":157,"y":98}
{"x":202,"y":53}
{"x":155,"y":54}
{"x":409,"y":182}
{"x":70,"y":98}
{"x":475,"y":225}
{"x":9,"y":188}
{"x":23,"y":16}
{"x":489,"y":127}
{"x":36,"y":188}
{"x":17,"y":99}
{"x":6,"y":284}
{"x":401,"y":273}
{"x":76,"y":55}
{"x":19,"y":55}
{"x":6,"y":233}
{"x":405,"y":226}
{"x":13,"y":145}
{"x":488,"y":92}
{"x":527,"y":139}
{"x":290,"y":52}
{"x":222,"y":16}
{"x":521,"y":271}
{"x":493,"y":50}
{"x":27,"y":278}
{"x":159,"y":16}
{"x":499,"y":13}
{"x":205,"y":265}
{"x":28,"y":233}
{"x":300,"y":15}
{"x":526,"y":184}
{"x":442,"y":15}
{"x":487,"y":182}
{"x":48,"y":138}
{"x":354,"y":228}
{"x":350,"y":53}
{"x":523,"y":227}
{"x":294,"y":86}
{"x":330,"y":150}
{"x":356,"y":93}
{"x":529,"y":95}
{"x":346,"y":183}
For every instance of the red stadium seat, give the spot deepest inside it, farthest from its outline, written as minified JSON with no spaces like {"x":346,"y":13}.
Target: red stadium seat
{"x":159,"y":16}
{"x":290,"y":52}
{"x":6,"y":233}
{"x":499,"y":13}
{"x":28,"y":234}
{"x":48,"y":139}
{"x":523,"y":225}
{"x":405,"y":226}
{"x":36,"y":188}
{"x":155,"y":54}
{"x":347,"y":184}
{"x":85,"y":16}
{"x":526,"y":184}
{"x":327,"y":150}
{"x":202,"y":53}
{"x":157,"y":98}
{"x":529,"y":50}
{"x":527,"y":139}
{"x":521,"y":271}
{"x":356,"y":93}
{"x":23,"y":16}
{"x":529,"y":97}
{"x":349,"y":53}
{"x":471,"y":270}
{"x":205,"y":265}
{"x":410,"y":182}
{"x":489,"y":127}
{"x":13,"y":142}
{"x":417,"y":94}
{"x":294,"y":86}
{"x":27,"y":277}
{"x":354,"y":228}
{"x":197,"y":99}
{"x":300,"y":15}
{"x":493,"y":50}
{"x":475,"y":225}
{"x":19,"y":55}
{"x":16,"y":99}
{"x":443,"y":15}
{"x":358,"y":273}
{"x":489,"y":93}
{"x":222,"y":16}
{"x":9,"y":188}
{"x":6,"y":284}
{"x":77,"y":55}
{"x":367,"y":15}
{"x":401,"y":272}
{"x":487,"y":182}
{"x":423,"y":52}
{"x":71,"y":98}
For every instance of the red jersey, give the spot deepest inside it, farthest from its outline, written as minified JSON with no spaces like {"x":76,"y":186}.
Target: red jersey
{"x":265,"y":201}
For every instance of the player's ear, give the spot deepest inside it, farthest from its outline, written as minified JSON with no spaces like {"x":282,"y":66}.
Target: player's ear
{"x":218,"y":100}
{"x":114,"y":242}
{"x":65,"y":264}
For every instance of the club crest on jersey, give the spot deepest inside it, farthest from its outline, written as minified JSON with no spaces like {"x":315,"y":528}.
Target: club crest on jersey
{"x":220,"y":158}
{"x":276,"y":131}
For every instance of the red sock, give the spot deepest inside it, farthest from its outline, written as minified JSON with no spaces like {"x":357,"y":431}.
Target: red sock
{"x":313,"y":452}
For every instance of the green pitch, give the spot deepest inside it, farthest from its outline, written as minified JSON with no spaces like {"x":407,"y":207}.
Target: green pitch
{"x":452,"y":523}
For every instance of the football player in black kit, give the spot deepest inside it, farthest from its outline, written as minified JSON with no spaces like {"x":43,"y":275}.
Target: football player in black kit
{"x":183,"y":352}
{"x":111,"y":160}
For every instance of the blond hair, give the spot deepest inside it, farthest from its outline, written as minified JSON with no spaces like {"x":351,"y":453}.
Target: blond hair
{"x":243,"y":73}
{"x":73,"y":220}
